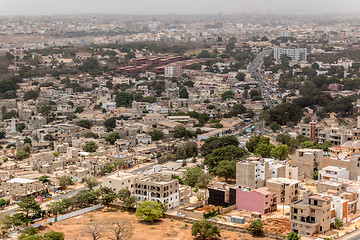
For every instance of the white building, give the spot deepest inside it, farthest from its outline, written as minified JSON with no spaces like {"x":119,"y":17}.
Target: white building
{"x":109,"y":106}
{"x":334,"y":173}
{"x":119,"y":180}
{"x":296,"y":54}
{"x":155,"y":187}
{"x":143,"y":138}
{"x":173,"y":70}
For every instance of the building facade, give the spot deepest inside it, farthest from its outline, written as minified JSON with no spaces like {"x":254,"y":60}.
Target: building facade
{"x":311,"y":214}
{"x":296,"y":54}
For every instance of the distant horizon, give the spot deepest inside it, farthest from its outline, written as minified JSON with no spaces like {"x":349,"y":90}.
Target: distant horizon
{"x":184,"y":7}
{"x":280,"y":14}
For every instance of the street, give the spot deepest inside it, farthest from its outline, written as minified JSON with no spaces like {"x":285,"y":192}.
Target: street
{"x":254,"y":70}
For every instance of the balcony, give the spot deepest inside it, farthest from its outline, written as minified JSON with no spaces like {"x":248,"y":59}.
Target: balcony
{"x":309,"y":224}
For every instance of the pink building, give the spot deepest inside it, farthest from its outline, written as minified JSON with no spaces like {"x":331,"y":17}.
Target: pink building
{"x":257,"y":200}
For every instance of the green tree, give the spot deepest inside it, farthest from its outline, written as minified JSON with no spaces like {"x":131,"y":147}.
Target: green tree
{"x":338,"y":223}
{"x":49,"y":137}
{"x":90,"y":64}
{"x":91,"y":182}
{"x":31,"y":94}
{"x":124,"y":99}
{"x":196,"y":66}
{"x":196,"y":176}
{"x":44,"y":179}
{"x":21,"y":155}
{"x":227,"y":94}
{"x":264,"y":150}
{"x":130,"y":55}
{"x":149,"y":211}
{"x":315,"y":175}
{"x":112,"y":138}
{"x":45,"y":109}
{"x":85,"y":198}
{"x":293,"y":236}
{"x":226,"y":169}
{"x":20,"y":127}
{"x":156,"y":135}
{"x":30,"y":209}
{"x":181,"y":131}
{"x":254,"y":141}
{"x":65,"y":181}
{"x":91,"y":135}
{"x":127,"y":201}
{"x":85,"y":123}
{"x":206,"y":230}
{"x":149,"y":99}
{"x":183,"y":93}
{"x":240,"y":77}
{"x":27,"y":141}
{"x":56,"y":207}
{"x":281,"y":152}
{"x":225,"y":153}
{"x":256,"y":228}
{"x":79,"y":109}
{"x":107,"y":196}
{"x":90,"y":147}
{"x":110,"y":123}
{"x":275,"y":126}
{"x":2,"y":134}
{"x":71,"y":103}
{"x":3,"y":202}
{"x":9,"y":115}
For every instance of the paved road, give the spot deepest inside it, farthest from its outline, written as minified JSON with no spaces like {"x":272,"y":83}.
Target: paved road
{"x":145,"y":168}
{"x":352,"y":236}
{"x":254,"y":70}
{"x":258,"y":61}
{"x":11,"y":210}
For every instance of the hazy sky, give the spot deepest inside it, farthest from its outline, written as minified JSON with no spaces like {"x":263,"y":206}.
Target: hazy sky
{"x":48,"y":7}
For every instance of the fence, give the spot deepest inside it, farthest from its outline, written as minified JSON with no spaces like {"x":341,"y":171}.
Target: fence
{"x":74,"y":214}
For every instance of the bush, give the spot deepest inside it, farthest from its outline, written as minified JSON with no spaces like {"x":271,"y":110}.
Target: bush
{"x":256,"y":228}
{"x":205,"y":230}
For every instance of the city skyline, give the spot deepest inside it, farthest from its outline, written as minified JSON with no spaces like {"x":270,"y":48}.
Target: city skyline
{"x":142,"y":7}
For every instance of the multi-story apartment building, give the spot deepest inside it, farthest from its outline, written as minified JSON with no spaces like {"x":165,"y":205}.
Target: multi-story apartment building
{"x":155,"y":187}
{"x":287,"y":190}
{"x":258,"y":200}
{"x":296,"y":54}
{"x":158,"y":187}
{"x":307,"y":161}
{"x":334,"y":173}
{"x":222,"y":195}
{"x":252,"y":173}
{"x":172,"y":93}
{"x":354,"y":170}
{"x":335,"y":135}
{"x":310,"y":215}
{"x":120,"y":180}
{"x":173,"y":70}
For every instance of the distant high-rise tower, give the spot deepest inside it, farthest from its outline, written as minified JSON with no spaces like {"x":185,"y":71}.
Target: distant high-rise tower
{"x":296,"y":54}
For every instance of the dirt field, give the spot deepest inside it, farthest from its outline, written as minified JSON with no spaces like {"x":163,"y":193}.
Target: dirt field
{"x":163,"y":229}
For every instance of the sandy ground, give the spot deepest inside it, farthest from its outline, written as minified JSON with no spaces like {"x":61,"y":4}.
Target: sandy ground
{"x":163,"y":229}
